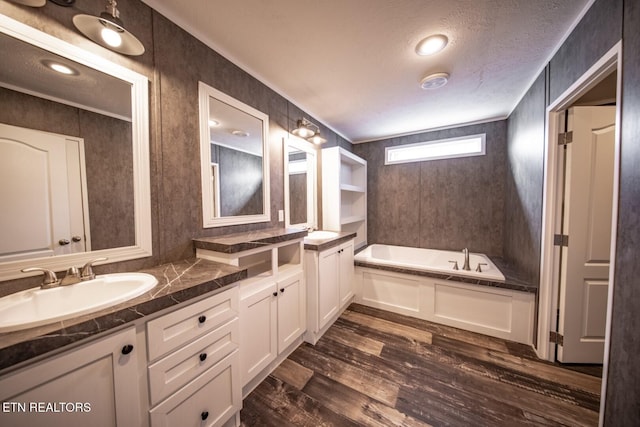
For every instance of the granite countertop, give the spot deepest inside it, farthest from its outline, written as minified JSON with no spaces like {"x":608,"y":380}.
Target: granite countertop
{"x":177,"y":282}
{"x":322,"y":244}
{"x":512,"y":280}
{"x":239,"y":242}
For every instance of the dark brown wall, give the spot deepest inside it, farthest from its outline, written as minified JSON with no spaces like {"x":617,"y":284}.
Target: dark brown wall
{"x":442,"y":204}
{"x":176,"y":205}
{"x":622,"y":406}
{"x":524,"y":181}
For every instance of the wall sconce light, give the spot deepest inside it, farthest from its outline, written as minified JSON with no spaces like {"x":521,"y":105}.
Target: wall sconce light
{"x":309,"y":131}
{"x":108,"y":30}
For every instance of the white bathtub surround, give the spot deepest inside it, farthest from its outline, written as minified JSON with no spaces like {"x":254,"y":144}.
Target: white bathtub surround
{"x":396,"y":280}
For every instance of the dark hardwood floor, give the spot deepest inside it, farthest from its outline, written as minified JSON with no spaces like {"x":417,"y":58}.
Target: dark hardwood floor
{"x":382,"y":369}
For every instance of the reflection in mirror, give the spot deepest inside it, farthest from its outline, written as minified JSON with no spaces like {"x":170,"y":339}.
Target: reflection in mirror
{"x":74,"y":174}
{"x":234,"y":156}
{"x":300,"y":183}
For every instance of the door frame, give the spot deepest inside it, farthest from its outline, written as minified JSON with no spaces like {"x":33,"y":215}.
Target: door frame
{"x":549,"y":262}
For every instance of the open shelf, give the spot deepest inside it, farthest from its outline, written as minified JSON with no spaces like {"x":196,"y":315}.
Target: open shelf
{"x":344,"y":192}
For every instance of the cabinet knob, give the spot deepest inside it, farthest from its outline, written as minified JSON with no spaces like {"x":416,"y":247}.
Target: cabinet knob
{"x":275,"y":294}
{"x":127,"y":349}
{"x":202,"y":319}
{"x":203,"y":357}
{"x":282,"y":290}
{"x":63,"y":242}
{"x":204,"y":415}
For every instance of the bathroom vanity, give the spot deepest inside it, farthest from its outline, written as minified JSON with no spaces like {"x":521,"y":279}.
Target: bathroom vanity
{"x":329,"y":274}
{"x":151,"y":361}
{"x":272,"y":297}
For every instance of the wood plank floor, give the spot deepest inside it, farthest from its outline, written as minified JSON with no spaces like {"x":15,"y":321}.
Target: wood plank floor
{"x":376,"y":368}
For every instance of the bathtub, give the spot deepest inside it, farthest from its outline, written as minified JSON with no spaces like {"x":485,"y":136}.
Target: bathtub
{"x":422,"y":283}
{"x":432,"y":260}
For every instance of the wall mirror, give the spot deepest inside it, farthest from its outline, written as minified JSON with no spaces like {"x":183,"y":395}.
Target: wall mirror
{"x":300,"y":183}
{"x":75,"y":163}
{"x":234,"y":160}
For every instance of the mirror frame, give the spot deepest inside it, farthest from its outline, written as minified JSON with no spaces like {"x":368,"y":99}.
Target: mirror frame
{"x":312,"y":180}
{"x":209,"y":219}
{"x":140,"y":143}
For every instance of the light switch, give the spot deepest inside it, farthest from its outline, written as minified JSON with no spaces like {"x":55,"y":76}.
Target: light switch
{"x":280,"y":215}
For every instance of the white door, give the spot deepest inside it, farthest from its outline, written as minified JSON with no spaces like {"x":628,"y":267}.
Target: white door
{"x":292,"y":313}
{"x":346,"y":272}
{"x":587,"y":221}
{"x":42,"y":190}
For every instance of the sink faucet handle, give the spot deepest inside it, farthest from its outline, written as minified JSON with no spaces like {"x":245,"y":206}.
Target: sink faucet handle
{"x":455,"y":265}
{"x":50,"y":279}
{"x":87,"y":269}
{"x":479,"y":267}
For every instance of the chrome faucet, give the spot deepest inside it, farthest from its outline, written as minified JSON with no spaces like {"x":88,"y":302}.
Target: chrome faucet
{"x":87,"y":270}
{"x":466,"y":266}
{"x":50,"y":279}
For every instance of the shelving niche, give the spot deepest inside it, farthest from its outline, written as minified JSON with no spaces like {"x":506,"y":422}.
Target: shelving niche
{"x":344,"y":194}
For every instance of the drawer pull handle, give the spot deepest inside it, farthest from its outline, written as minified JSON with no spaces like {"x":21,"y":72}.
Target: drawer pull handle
{"x":127,"y":349}
{"x":202,"y":319}
{"x":282,"y":290}
{"x":203,"y":357}
{"x":275,"y":294}
{"x":204,"y":415}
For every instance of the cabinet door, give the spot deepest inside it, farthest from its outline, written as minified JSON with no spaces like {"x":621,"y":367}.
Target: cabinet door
{"x":328,"y":288}
{"x":258,"y":331}
{"x":97,"y":383}
{"x":346,"y":270}
{"x":291,"y":310}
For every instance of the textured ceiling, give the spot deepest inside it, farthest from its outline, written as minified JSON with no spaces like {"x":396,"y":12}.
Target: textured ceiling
{"x":352,"y":64}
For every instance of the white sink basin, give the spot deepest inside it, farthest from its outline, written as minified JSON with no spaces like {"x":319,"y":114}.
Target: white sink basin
{"x":35,"y":307}
{"x":321,"y":235}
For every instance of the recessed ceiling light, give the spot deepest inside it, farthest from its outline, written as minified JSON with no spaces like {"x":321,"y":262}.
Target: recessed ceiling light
{"x":432,"y":44}
{"x":434,"y":81}
{"x":60,"y":68}
{"x":240,"y":133}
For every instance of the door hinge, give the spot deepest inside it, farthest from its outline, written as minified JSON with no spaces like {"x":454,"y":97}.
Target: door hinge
{"x":556,"y":338}
{"x":565,"y":138}
{"x":560,"y":240}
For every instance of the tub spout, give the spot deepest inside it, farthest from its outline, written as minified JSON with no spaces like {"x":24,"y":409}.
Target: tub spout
{"x":466,"y":266}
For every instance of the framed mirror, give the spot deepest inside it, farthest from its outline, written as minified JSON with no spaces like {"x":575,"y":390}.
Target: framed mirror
{"x":234,"y":156}
{"x":300,"y":183}
{"x":75,"y":163}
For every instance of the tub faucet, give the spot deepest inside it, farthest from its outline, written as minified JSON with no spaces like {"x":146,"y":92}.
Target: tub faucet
{"x":466,"y":267}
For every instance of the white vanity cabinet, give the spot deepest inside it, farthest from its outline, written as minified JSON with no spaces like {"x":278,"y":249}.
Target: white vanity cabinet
{"x":329,"y":277}
{"x":194,"y":369}
{"x":272,"y":305}
{"x":92,"y":385}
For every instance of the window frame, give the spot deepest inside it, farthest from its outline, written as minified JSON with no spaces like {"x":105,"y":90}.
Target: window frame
{"x":483,"y":149}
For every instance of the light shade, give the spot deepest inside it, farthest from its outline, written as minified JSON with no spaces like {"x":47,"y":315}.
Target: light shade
{"x":32,"y":3}
{"x":303,"y":129}
{"x":108,"y":30}
{"x":317,"y":139}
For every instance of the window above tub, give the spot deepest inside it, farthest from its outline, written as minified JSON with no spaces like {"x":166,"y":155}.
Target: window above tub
{"x":451,"y":148}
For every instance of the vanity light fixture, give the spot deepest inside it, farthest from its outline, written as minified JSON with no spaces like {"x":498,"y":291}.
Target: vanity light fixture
{"x":309,"y":131}
{"x":431,"y":45}
{"x":213,"y":123}
{"x":434,"y":81}
{"x":108,"y":30}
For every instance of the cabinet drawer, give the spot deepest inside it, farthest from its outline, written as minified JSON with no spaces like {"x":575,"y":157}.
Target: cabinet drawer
{"x":172,"y":372}
{"x":209,"y":400}
{"x":181,"y":326}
